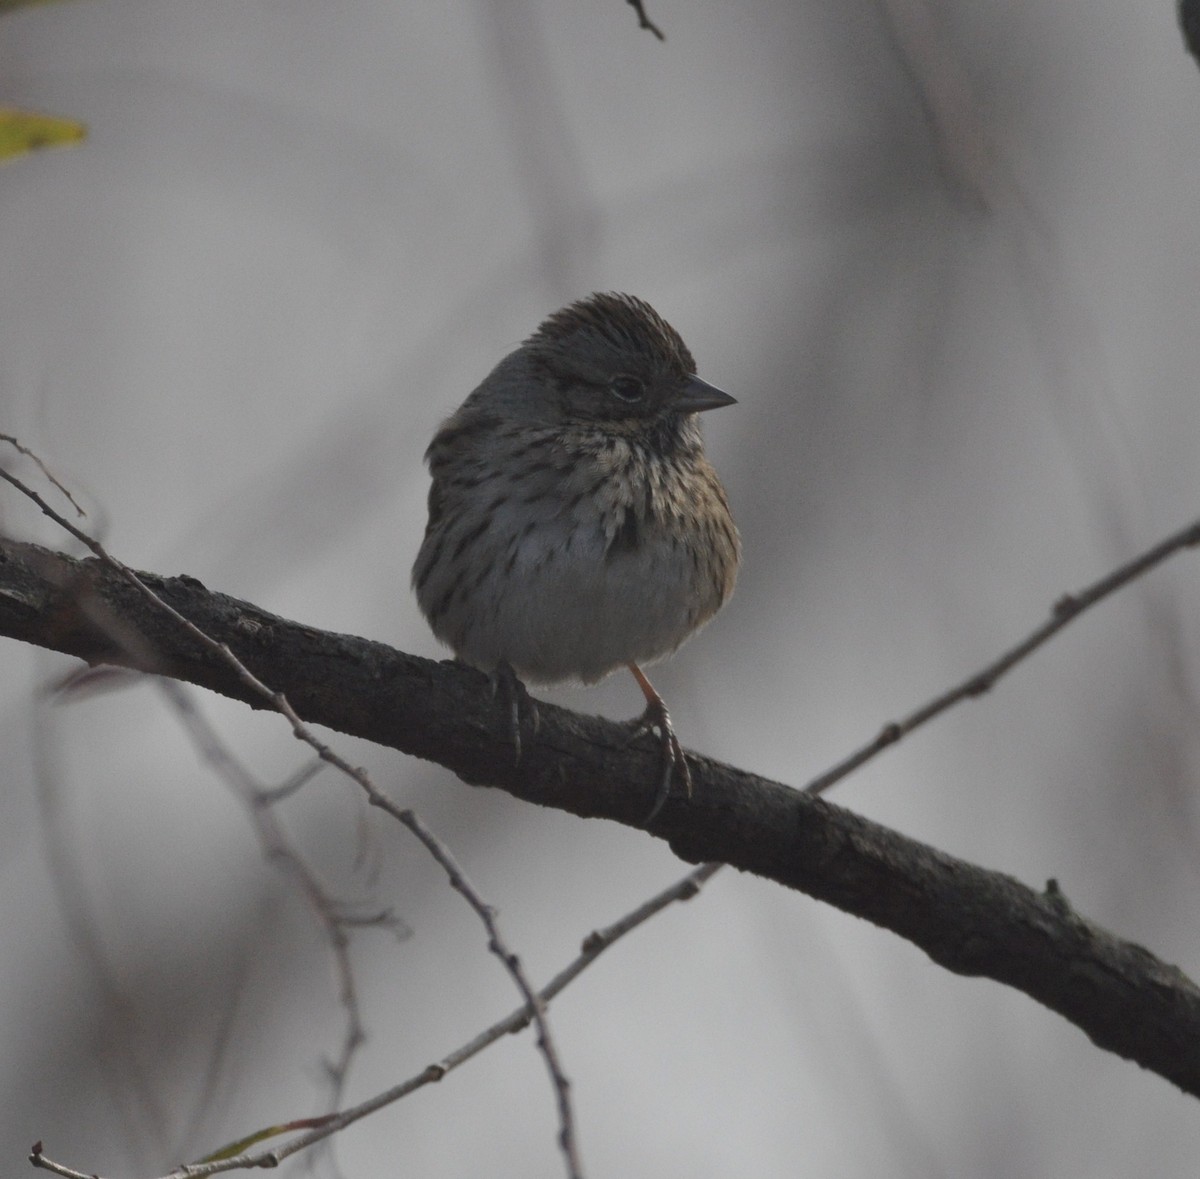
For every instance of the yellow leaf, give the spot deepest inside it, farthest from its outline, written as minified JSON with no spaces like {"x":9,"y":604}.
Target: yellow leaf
{"x":6,"y":5}
{"x":244,"y":1144}
{"x":24,"y":131}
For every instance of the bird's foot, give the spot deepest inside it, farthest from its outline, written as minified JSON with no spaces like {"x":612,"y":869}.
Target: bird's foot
{"x":516,"y":701}
{"x":657,"y":718}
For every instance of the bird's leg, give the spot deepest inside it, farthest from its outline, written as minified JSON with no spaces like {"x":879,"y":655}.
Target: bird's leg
{"x":516,"y":699}
{"x":657,"y":717}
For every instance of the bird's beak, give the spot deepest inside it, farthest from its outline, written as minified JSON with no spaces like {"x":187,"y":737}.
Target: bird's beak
{"x":699,"y":395}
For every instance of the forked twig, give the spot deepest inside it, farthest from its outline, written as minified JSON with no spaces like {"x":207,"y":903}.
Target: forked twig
{"x":334,"y":918}
{"x":593,"y":946}
{"x":45,"y":470}
{"x":441,"y":853}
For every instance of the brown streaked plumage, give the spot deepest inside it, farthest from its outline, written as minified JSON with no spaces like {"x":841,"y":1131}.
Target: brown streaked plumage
{"x":575,"y":525}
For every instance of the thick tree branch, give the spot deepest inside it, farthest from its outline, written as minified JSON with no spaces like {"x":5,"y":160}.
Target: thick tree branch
{"x":971,"y":920}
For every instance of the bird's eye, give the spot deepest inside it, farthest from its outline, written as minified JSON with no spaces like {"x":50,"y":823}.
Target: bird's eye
{"x":628,"y":388}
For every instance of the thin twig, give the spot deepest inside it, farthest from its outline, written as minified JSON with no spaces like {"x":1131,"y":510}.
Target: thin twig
{"x":644,"y":22}
{"x":510,"y":961}
{"x":486,"y":914}
{"x":38,"y":1159}
{"x":45,"y":470}
{"x":333,"y":917}
{"x":1065,"y":610}
{"x":593,"y":946}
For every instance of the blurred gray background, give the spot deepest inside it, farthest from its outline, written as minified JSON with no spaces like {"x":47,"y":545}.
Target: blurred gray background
{"x":945,"y":255}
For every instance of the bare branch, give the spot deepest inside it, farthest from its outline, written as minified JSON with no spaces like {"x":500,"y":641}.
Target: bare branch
{"x":267,"y":697}
{"x":333,"y":917}
{"x":970,"y":920}
{"x":593,"y":946}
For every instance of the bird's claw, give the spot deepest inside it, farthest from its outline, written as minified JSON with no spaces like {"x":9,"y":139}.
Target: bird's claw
{"x":516,"y":698}
{"x":656,"y":717}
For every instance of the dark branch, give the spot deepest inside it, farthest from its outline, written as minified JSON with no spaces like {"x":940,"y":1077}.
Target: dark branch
{"x":1189,"y":24}
{"x":971,"y":920}
{"x":644,"y":22}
